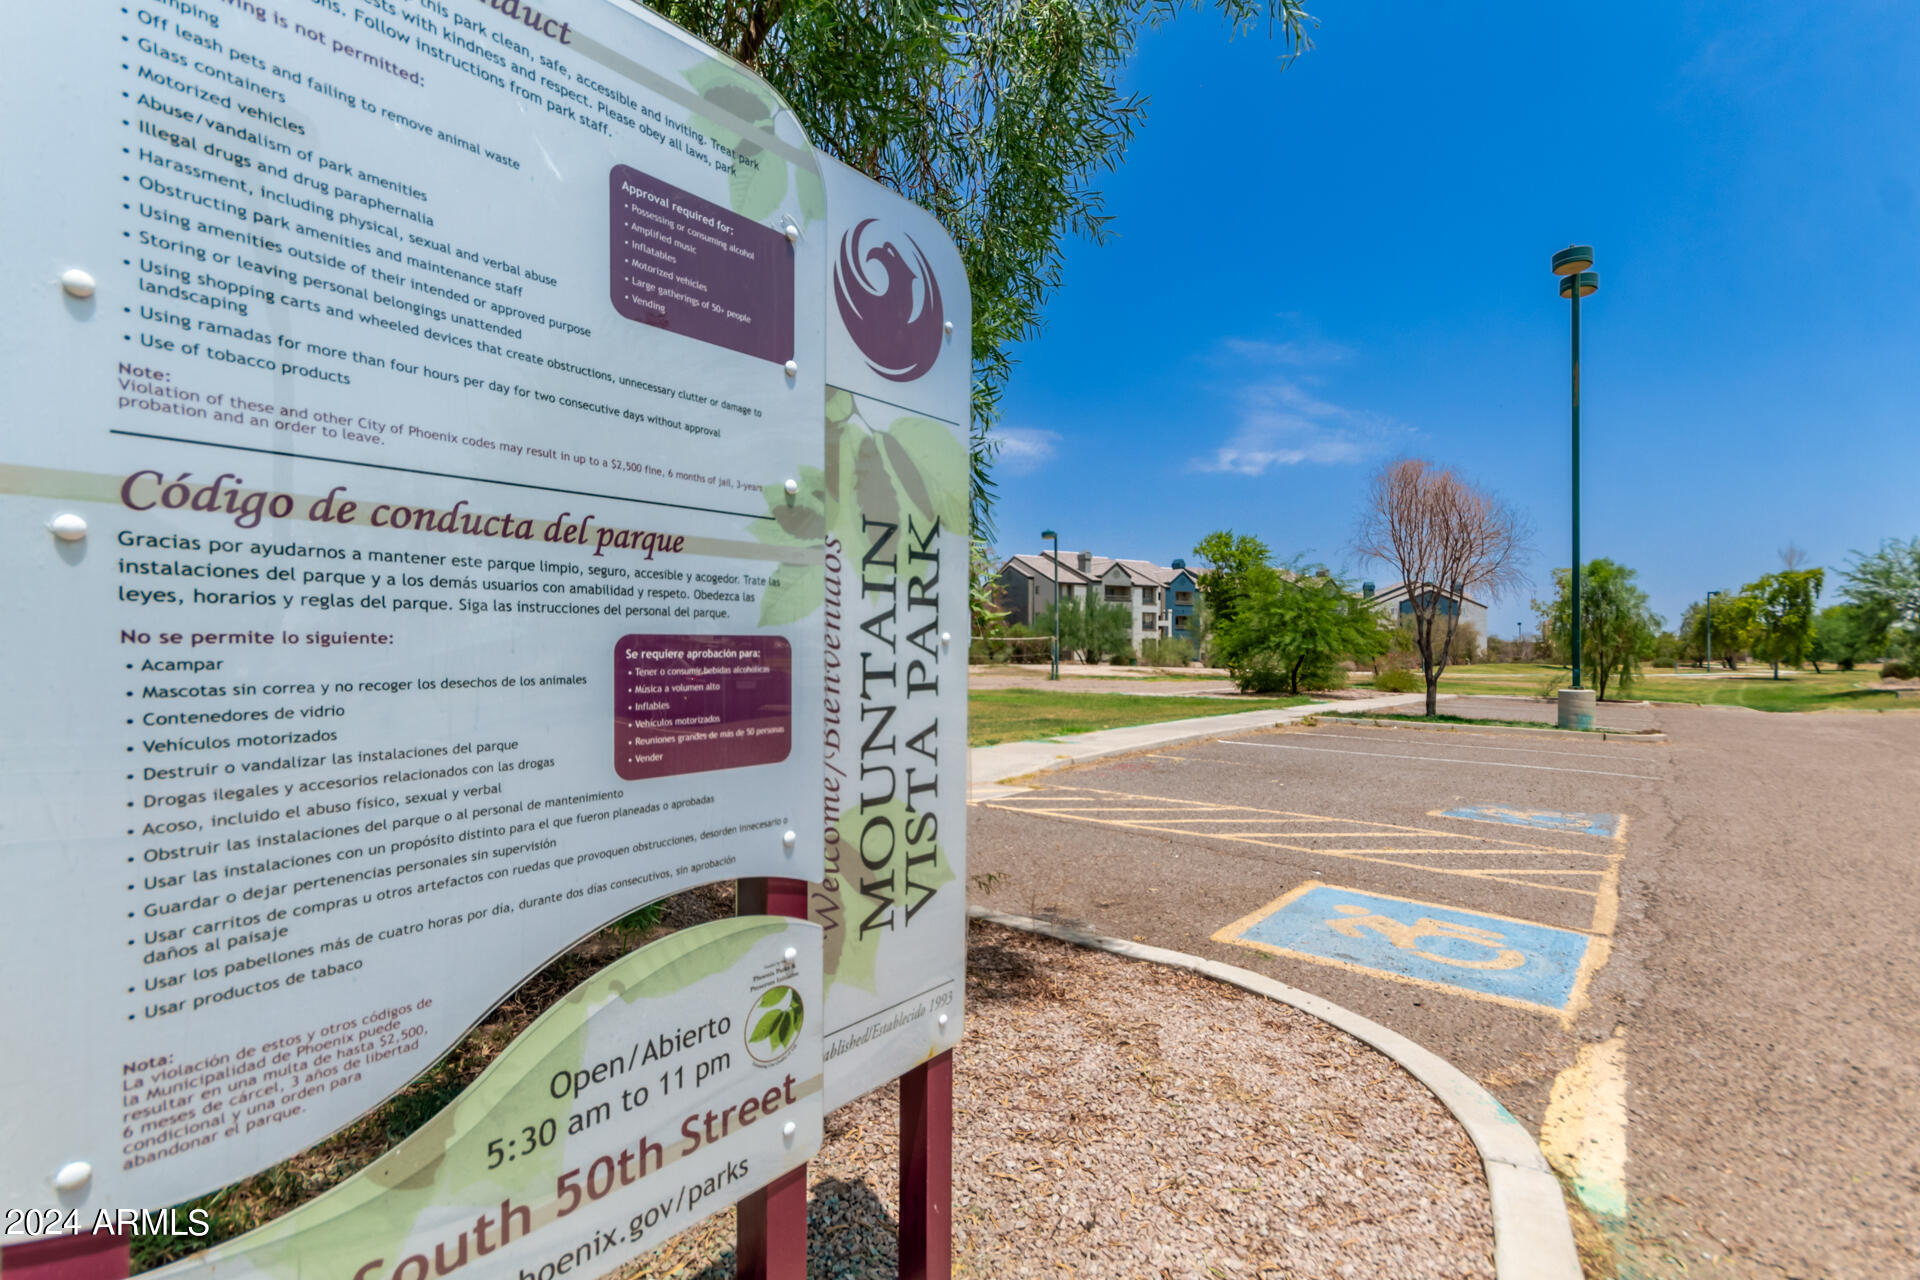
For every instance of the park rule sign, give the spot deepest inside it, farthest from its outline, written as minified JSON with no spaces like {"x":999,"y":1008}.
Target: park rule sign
{"x":406,"y":410}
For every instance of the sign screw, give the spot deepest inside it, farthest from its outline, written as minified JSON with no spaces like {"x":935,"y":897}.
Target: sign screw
{"x":77,"y":283}
{"x":788,"y":837}
{"x":793,"y":487}
{"x":943,"y":1019}
{"x":789,"y":1129}
{"x":946,"y":637}
{"x":67,"y":527}
{"x":73,"y":1176}
{"x":948,"y":328}
{"x":791,"y":232}
{"x":793,"y":953}
{"x":793,"y":368}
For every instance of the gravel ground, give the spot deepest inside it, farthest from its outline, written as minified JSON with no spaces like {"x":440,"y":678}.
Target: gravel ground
{"x":1113,"y":1119}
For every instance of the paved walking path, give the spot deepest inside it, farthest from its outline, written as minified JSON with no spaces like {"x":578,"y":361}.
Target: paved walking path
{"x":989,"y":767}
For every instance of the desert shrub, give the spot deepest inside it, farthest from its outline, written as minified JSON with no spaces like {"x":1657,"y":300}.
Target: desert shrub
{"x":1261,"y":673}
{"x":1328,"y":675}
{"x":1166,"y":651}
{"x":1397,"y":680}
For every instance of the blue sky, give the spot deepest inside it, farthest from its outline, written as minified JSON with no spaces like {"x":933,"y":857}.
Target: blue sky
{"x":1318,"y":269}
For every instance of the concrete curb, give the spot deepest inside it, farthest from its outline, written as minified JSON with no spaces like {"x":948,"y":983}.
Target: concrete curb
{"x":1532,"y":1234}
{"x":1585,"y":735}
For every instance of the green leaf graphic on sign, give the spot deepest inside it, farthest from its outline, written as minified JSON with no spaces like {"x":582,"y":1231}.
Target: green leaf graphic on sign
{"x":799,"y":519}
{"x":812,"y":193}
{"x":940,"y":460}
{"x":776,"y":1031}
{"x":758,"y":182}
{"x":839,"y":406}
{"x":794,"y":591}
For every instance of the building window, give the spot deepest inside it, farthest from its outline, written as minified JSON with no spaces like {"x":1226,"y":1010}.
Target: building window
{"x":1146,"y":622}
{"x":1119,"y":595}
{"x":1183,"y":597}
{"x":1406,"y":607}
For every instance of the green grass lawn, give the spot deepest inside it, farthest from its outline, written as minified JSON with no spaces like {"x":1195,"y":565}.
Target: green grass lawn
{"x":1752,"y":686}
{"x":1022,"y":715}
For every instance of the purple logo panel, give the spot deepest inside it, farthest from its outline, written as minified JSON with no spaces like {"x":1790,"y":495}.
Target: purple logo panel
{"x":694,"y":267}
{"x":691,"y":704}
{"x":890,"y":306}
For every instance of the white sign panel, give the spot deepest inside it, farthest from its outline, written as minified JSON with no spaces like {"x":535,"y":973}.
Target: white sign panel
{"x":398,"y":399}
{"x":894,"y":497}
{"x":661,"y":1090}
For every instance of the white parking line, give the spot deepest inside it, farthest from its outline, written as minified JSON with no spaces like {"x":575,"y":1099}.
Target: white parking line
{"x":1485,"y":764}
{"x":1478,"y":746}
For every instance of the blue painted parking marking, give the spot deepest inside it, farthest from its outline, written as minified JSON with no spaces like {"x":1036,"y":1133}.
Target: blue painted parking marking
{"x":1609,"y":826}
{"x":1467,"y":953}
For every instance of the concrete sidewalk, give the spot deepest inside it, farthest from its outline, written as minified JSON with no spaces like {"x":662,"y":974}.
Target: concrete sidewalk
{"x":988,"y":767}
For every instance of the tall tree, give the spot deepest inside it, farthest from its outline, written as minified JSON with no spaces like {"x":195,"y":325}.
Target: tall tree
{"x":1783,"y":606}
{"x":1294,"y":624}
{"x":1888,"y":580}
{"x":1732,"y":619}
{"x":1236,"y":564}
{"x":1097,"y":629}
{"x":995,"y":117}
{"x":1617,"y":629}
{"x":1848,"y":634}
{"x":1445,"y":538}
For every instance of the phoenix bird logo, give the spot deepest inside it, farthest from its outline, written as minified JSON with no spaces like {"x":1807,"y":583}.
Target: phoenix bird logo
{"x":897,"y":327}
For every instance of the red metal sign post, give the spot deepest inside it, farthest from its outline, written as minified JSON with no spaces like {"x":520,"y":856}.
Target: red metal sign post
{"x":77,"y":1257}
{"x":926,"y":1170}
{"x":770,"y":1237}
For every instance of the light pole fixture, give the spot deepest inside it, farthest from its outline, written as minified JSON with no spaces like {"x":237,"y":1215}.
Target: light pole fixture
{"x":1576,"y":282}
{"x":1050,"y":535}
{"x":1710,"y":596}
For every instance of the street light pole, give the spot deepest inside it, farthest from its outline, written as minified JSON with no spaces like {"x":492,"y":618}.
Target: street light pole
{"x":1710,"y":596}
{"x":1575,"y":293}
{"x":1046,"y":534}
{"x":1576,"y":282}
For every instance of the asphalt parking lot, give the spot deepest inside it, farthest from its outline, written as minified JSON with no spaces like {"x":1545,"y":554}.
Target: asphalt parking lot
{"x":1687,"y":962}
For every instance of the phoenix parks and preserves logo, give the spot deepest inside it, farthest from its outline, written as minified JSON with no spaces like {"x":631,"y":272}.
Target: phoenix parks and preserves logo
{"x":773,"y":1027}
{"x":891,"y":310}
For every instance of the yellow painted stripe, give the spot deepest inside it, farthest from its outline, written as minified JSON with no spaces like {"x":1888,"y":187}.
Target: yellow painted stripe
{"x":1584,"y":1133}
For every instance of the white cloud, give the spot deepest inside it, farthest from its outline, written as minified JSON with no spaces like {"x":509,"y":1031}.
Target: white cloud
{"x":1312,"y":351}
{"x":1024,"y":450}
{"x":1278,"y":422}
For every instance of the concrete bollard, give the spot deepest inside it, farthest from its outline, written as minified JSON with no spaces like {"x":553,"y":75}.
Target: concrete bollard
{"x":1576,"y":708}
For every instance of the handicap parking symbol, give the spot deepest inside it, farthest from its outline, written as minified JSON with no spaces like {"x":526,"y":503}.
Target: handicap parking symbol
{"x":1606,"y":825}
{"x":1470,"y":953}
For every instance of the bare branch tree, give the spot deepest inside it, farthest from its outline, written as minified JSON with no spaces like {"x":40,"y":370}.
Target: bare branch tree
{"x":1792,"y":557}
{"x":1445,"y":538}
